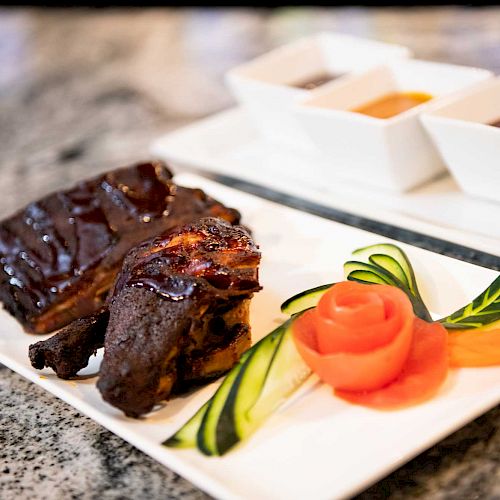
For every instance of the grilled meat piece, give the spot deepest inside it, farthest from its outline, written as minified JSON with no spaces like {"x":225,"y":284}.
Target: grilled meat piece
{"x":60,"y":255}
{"x":69,"y":350}
{"x":178,"y":313}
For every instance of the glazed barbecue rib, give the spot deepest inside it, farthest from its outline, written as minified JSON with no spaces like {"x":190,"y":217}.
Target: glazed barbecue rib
{"x":178,"y":313}
{"x":60,"y":255}
{"x":68,"y":351}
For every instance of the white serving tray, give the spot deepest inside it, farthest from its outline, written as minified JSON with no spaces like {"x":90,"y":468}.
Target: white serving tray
{"x":228,"y":144}
{"x":317,"y":446}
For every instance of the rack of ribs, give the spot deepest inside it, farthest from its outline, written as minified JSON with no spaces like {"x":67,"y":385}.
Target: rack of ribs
{"x":178,"y":314}
{"x":59,"y":256}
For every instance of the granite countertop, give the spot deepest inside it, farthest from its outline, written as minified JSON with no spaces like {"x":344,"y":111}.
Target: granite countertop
{"x":83,"y":91}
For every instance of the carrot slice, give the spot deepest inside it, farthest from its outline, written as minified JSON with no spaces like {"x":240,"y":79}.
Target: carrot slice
{"x":474,"y":348}
{"x":423,"y":373}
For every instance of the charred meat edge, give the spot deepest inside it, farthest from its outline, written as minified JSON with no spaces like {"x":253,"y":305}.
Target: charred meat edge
{"x":178,"y":314}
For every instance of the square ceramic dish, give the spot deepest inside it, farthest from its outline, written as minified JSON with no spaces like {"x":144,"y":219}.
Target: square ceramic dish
{"x":265,"y":86}
{"x":469,"y":145}
{"x":228,"y":144}
{"x":316,"y":447}
{"x":393,"y":153}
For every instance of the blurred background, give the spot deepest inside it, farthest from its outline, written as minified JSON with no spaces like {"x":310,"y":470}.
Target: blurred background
{"x":84,"y":90}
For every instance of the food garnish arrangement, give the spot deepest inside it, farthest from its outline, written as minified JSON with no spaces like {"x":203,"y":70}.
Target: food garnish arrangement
{"x":162,"y":276}
{"x":371,"y":338}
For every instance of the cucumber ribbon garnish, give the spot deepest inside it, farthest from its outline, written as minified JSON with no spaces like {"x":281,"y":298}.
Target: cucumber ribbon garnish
{"x":265,"y":376}
{"x":270,"y":371}
{"x":387,"y":264}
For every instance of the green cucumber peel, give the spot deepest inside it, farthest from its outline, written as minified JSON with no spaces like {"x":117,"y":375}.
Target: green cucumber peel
{"x":234,"y":424}
{"x":391,"y":265}
{"x":372,"y":273}
{"x":304,"y":300}
{"x":262,"y":380}
{"x":384,"y":264}
{"x":396,"y":254}
{"x":483,"y":311}
{"x":287,"y":365}
{"x":206,"y":438}
{"x":387,"y":264}
{"x":273,"y":372}
{"x":185,"y":437}
{"x":369,"y":273}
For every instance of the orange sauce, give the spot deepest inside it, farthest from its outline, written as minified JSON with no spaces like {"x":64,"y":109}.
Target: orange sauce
{"x":392,"y":104}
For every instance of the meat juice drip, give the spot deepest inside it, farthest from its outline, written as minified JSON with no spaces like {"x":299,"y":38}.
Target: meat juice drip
{"x":314,"y":81}
{"x":392,"y":104}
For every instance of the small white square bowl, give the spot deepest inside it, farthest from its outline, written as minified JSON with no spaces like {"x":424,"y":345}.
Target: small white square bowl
{"x":264,"y":85}
{"x":470,"y":146}
{"x":393,"y":153}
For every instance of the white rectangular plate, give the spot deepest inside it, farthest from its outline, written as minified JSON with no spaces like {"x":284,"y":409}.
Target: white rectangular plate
{"x":227,"y":143}
{"x":317,"y":446}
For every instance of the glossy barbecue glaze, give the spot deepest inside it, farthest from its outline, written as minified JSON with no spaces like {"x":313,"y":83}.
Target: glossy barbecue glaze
{"x":178,"y":313}
{"x":224,"y":256}
{"x":59,"y":256}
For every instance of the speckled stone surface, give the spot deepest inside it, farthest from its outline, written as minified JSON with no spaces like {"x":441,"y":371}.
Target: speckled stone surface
{"x":83,"y":91}
{"x":51,"y":451}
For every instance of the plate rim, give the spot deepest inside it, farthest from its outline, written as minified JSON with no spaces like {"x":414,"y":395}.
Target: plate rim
{"x":167,"y":148}
{"x":188,"y":470}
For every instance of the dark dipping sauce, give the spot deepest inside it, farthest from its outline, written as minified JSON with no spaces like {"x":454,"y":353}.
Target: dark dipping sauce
{"x":314,"y":81}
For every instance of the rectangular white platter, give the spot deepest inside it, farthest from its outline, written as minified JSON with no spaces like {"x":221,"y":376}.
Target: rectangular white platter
{"x":227,"y":143}
{"x":317,"y":446}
